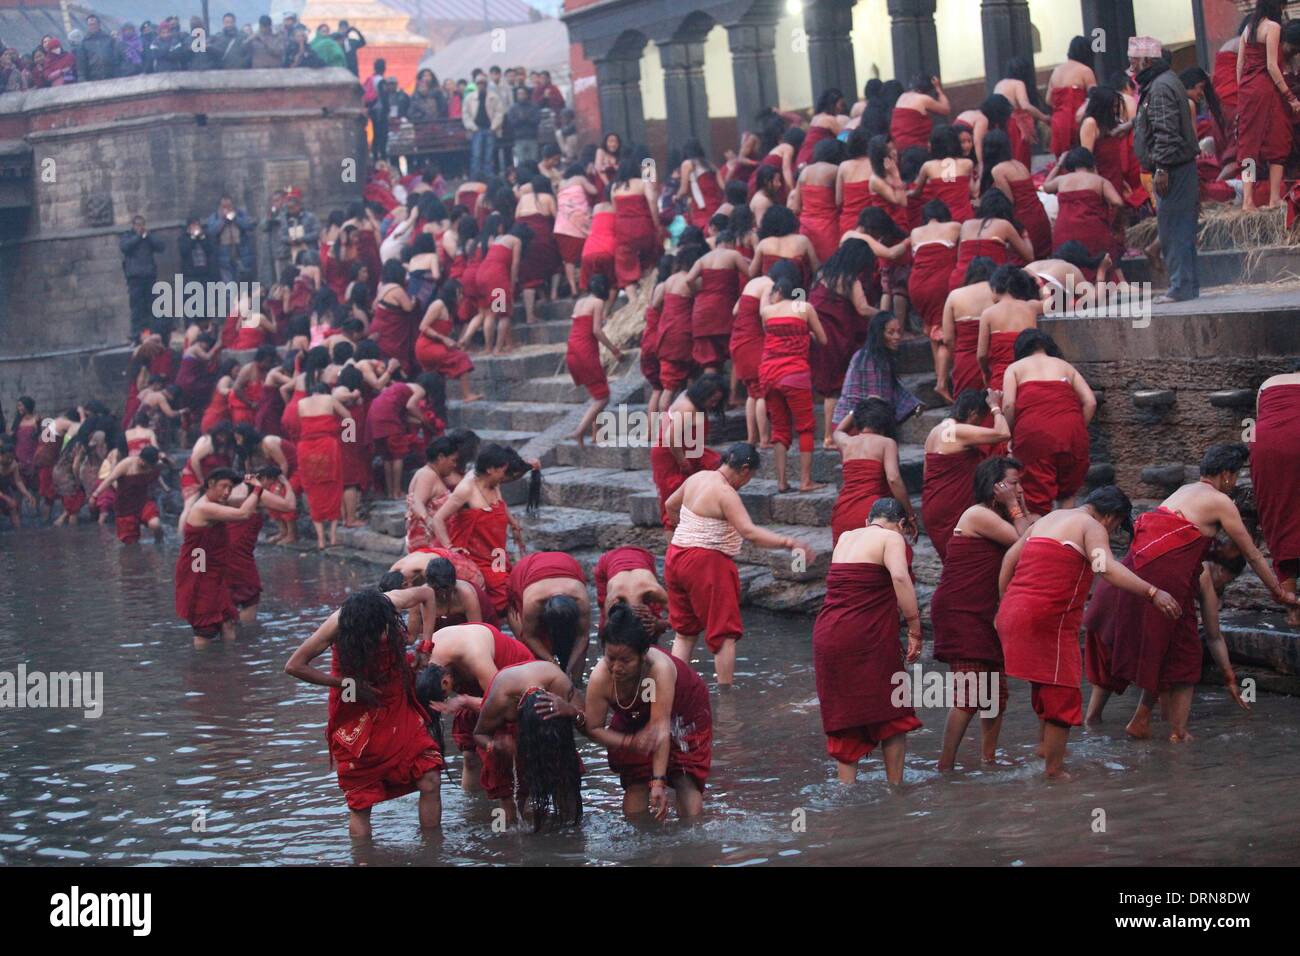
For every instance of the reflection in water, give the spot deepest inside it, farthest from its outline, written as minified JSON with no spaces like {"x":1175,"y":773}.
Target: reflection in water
{"x":223,"y":737}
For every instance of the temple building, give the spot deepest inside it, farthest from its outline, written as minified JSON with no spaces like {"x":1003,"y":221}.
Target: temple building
{"x":713,"y":64}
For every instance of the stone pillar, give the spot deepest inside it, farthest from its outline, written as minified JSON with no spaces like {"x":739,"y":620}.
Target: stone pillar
{"x":1006,"y":33}
{"x":1115,"y":18}
{"x":685,"y":97}
{"x":828,"y":24}
{"x":753,"y":69}
{"x":916,"y":46}
{"x":618,"y":82}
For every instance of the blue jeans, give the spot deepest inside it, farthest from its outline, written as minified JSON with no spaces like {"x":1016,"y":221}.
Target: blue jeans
{"x":482,"y":154}
{"x":1176,"y":213}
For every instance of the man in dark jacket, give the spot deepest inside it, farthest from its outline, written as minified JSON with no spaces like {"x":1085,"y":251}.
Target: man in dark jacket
{"x":233,"y":231}
{"x":228,"y":50}
{"x":351,"y":40}
{"x":198,"y":252}
{"x":169,"y":50}
{"x":141,"y":270}
{"x":1164,"y":139}
{"x":98,"y":55}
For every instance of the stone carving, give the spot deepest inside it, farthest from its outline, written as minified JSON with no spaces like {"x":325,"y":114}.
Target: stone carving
{"x":97,"y":209}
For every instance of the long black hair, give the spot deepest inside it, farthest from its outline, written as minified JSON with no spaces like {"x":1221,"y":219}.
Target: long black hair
{"x":1022,"y":68}
{"x":1191,"y":77}
{"x":846,"y":265}
{"x":997,"y":110}
{"x":561,"y":619}
{"x":548,"y":766}
{"x":496,"y":456}
{"x":1265,"y":10}
{"x":371,"y":643}
{"x":1080,"y":51}
{"x":997,"y":149}
{"x":1103,"y":105}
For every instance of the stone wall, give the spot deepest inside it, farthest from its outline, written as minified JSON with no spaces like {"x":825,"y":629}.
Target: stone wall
{"x":166,"y":146}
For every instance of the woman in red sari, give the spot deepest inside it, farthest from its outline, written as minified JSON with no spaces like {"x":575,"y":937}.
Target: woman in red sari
{"x":1266,"y":106}
{"x":840,"y":299}
{"x":637,"y":240}
{"x":701,"y":184}
{"x":869,"y":466}
{"x":1087,"y":204}
{"x":203,"y":596}
{"x":674,"y":346}
{"x":829,"y":118}
{"x":320,"y":459}
{"x":720,"y":275}
{"x":994,"y":234}
{"x":598,"y":247}
{"x":779,"y":239}
{"x":397,"y":317}
{"x":961,"y":324}
{"x":784,"y":375}
{"x":1049,"y":406}
{"x":586,"y":336}
{"x":1067,"y":88}
{"x":1275,"y":474}
{"x":541,"y":268}
{"x":946,"y":175}
{"x":746,"y":347}
{"x":780,"y":158}
{"x":502,"y":255}
{"x":1017,"y":304}
{"x":436,"y":348}
{"x":1019,"y":85}
{"x":1010,"y":177}
{"x":379,"y":736}
{"x":813,"y":199}
{"x":910,"y":123}
{"x":855,"y":643}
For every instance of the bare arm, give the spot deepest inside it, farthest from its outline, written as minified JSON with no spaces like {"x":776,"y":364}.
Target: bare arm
{"x":455,"y":501}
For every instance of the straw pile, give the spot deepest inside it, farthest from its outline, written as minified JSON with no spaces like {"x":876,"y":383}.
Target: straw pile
{"x":1225,"y":227}
{"x":625,"y":326}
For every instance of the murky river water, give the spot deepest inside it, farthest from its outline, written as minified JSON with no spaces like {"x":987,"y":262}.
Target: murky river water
{"x":225,"y":732}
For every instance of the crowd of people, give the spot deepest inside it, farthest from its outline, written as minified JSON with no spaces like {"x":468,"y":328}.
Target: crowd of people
{"x":796,"y":265}
{"x":168,"y":47}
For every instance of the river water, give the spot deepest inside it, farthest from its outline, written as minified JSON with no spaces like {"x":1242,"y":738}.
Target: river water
{"x":225,"y":736}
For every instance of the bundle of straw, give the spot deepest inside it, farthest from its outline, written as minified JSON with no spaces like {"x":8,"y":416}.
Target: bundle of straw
{"x":625,"y":326}
{"x":1225,"y":227}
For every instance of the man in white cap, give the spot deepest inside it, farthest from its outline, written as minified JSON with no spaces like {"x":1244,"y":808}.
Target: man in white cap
{"x":1165,"y":142}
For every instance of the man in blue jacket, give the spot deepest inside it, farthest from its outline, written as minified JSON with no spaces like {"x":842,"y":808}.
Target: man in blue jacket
{"x":233,"y":231}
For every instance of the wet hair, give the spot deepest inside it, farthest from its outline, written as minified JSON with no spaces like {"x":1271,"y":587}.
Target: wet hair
{"x":1224,"y":456}
{"x":221,"y":474}
{"x":887,"y":508}
{"x":499,"y":456}
{"x":877,"y":350}
{"x":440,"y":575}
{"x":350,"y":377}
{"x":149,"y":455}
{"x":778,"y":221}
{"x":740,"y":224}
{"x":997,"y":109}
{"x":971,"y":401}
{"x":1103,"y":105}
{"x":945,"y":143}
{"x":1076,"y":254}
{"x":688,"y":255}
{"x":1266,"y":10}
{"x":878,"y":224}
{"x":859,"y":142}
{"x":830,"y":150}
{"x":852,"y":260}
{"x":997,"y":149}
{"x":936,"y":210}
{"x":371,"y":643}
{"x":874,"y":415}
{"x":785,"y":278}
{"x":1080,"y":51}
{"x":910,"y":162}
{"x":561,"y":618}
{"x":465,"y":443}
{"x":705,"y":387}
{"x":1035,"y":340}
{"x":794,"y":136}
{"x":921,"y":83}
{"x":1109,"y":501}
{"x":990,"y":471}
{"x":600,"y":286}
{"x":994,"y":204}
{"x":979,"y":270}
{"x":1022,"y":68}
{"x":1194,"y":74}
{"x":1014,"y":281}
{"x":1078,"y":158}
{"x":623,"y":627}
{"x":391,"y":581}
{"x":548,"y":766}
{"x":764,"y":177}
{"x":440,"y":447}
{"x":826,"y":102}
{"x":717,"y":222}
{"x":742,"y":455}
{"x":736,"y":192}
{"x":667,"y":266}
{"x":314,"y":362}
{"x":341,"y":352}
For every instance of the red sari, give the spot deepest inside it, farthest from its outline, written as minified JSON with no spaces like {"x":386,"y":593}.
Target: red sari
{"x":241,"y":566}
{"x":395,"y":330}
{"x":815,"y":135}
{"x":1225,"y":85}
{"x":676,"y":344}
{"x":1051,"y":440}
{"x":543,"y":258}
{"x":746,"y":344}
{"x":615,"y":562}
{"x":864,"y":484}
{"x":909,"y":127}
{"x":1023,"y":134}
{"x":927,"y":286}
{"x":710,"y":192}
{"x":966,"y":602}
{"x":856,"y":653}
{"x":320,"y":465}
{"x":854,"y":198}
{"x":819,"y":218}
{"x":782,"y":193}
{"x":1066,"y":101}
{"x":636,"y":238}
{"x":541,"y":566}
{"x":1086,"y":216}
{"x":495,"y":290}
{"x":690,"y":748}
{"x":667,"y":474}
{"x":1128,"y":640}
{"x":966,"y":371}
{"x":598,"y":249}
{"x":650,"y":348}
{"x":955,"y":195}
{"x":386,"y":425}
{"x":202,"y":591}
{"x":383,"y":750}
{"x":839,"y":319}
{"x":1275,"y":472}
{"x":434,"y":356}
{"x":483,"y":534}
{"x":949,"y":489}
{"x":583,"y":358}
{"x":1263,"y":120}
{"x":711,"y":315}
{"x":968,"y":250}
{"x":1032,"y":215}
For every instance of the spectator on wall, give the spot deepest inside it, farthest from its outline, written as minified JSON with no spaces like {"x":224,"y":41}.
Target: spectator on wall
{"x":228,"y":50}
{"x":130,"y":44}
{"x":233,"y":231}
{"x":427,"y":99}
{"x":327,"y":49}
{"x":98,"y":55}
{"x":351,"y":40}
{"x":266,"y":47}
{"x":169,"y":49}
{"x":60,"y":66}
{"x":298,"y":52}
{"x":375,"y":98}
{"x":299,"y":230}
{"x":12,"y":78}
{"x":546,"y":94}
{"x":141,"y":269}
{"x":522,"y":120}
{"x":198,"y":252}
{"x":483,"y":114}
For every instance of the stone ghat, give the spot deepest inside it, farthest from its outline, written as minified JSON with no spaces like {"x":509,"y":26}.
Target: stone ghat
{"x":596,"y":498}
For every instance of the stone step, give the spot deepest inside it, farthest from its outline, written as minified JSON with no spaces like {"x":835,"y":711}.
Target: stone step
{"x":505,"y":415}
{"x":525,"y":362}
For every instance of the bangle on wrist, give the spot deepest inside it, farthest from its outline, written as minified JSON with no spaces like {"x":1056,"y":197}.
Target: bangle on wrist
{"x":996,"y":410}
{"x":1015,"y":512}
{"x":1152,"y":591}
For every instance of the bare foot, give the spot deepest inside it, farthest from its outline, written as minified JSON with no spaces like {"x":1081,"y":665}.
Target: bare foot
{"x":783,"y":489}
{"x":811,"y":486}
{"x":1062,"y":775}
{"x":993,"y":761}
{"x":1293,"y":617}
{"x":826,"y":443}
{"x":945,"y":395}
{"x":1184,"y":737}
{"x":1138,"y":729}
{"x":472,"y":397}
{"x":764,"y":445}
